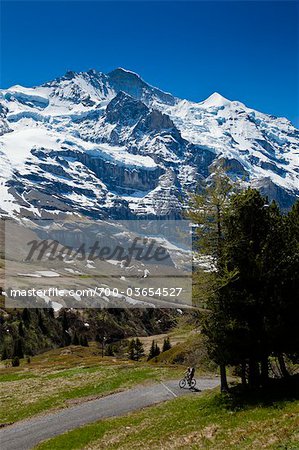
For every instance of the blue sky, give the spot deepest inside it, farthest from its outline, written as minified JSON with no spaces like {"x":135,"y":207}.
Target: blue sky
{"x":246,"y":51}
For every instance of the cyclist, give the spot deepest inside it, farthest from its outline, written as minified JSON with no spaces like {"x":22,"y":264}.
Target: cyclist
{"x":187,"y":373}
{"x":190,"y":374}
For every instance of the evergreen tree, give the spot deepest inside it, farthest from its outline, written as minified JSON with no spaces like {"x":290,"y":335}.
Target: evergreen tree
{"x":26,"y":316}
{"x":252,"y":292}
{"x":139,"y":349}
{"x":51,"y":310}
{"x":83,"y":341}
{"x":66,"y":339}
{"x":135,"y":349}
{"x":282,"y":280}
{"x":207,"y":211}
{"x":21,"y":329}
{"x":41,"y":322}
{"x":166,"y":345}
{"x":247,"y":228}
{"x":260,"y":302}
{"x":152,"y":351}
{"x":18,"y":348}
{"x":109,"y":350}
{"x":157,"y":350}
{"x":131,"y":350}
{"x":76,"y":339}
{"x":65,"y":322}
{"x":15,"y":361}
{"x":4,"y":355}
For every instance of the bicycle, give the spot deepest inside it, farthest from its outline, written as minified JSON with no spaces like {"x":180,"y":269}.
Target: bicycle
{"x":185,"y":381}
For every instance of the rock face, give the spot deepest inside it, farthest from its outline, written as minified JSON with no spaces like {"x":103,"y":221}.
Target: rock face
{"x":4,"y":127}
{"x":110,"y":145}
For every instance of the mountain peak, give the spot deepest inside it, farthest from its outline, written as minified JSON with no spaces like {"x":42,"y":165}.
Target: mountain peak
{"x":216,"y":100}
{"x":124,"y":73}
{"x":122,"y":69}
{"x":70,"y":74}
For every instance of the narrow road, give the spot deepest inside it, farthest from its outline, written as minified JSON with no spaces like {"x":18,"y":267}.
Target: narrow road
{"x":26,"y":434}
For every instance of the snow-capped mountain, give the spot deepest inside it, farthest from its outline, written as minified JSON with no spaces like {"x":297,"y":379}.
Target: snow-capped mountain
{"x":111,"y":145}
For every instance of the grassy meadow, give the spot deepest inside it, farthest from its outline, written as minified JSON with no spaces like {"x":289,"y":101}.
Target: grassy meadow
{"x":206,"y":421}
{"x":64,"y":376}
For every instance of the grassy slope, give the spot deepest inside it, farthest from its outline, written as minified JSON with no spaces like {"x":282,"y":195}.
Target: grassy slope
{"x":207,"y":421}
{"x":60,"y":377}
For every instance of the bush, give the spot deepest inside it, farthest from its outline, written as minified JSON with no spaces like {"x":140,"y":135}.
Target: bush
{"x":110,"y":350}
{"x":15,"y":361}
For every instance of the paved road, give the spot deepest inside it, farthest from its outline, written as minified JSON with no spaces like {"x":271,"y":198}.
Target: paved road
{"x":26,"y":434}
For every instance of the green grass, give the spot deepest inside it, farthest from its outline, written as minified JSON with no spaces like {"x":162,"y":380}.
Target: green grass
{"x":205,"y":421}
{"x":6,"y":377}
{"x":59,"y":377}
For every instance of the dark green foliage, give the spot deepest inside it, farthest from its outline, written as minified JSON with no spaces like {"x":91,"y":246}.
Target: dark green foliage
{"x":41,"y":322}
{"x":43,"y":329}
{"x":15,"y":361}
{"x":254,"y":308}
{"x":66,"y":339}
{"x":64,"y":320}
{"x":131,"y":350}
{"x":83,"y":341}
{"x":139,"y":350}
{"x":4,"y":355}
{"x":18,"y":348}
{"x":166,"y":345}
{"x":157,"y":350}
{"x":109,"y":350}
{"x":208,"y":211}
{"x":26,"y":316}
{"x":154,"y":351}
{"x":75,"y":339}
{"x":21,"y":329}
{"x":135,"y":349}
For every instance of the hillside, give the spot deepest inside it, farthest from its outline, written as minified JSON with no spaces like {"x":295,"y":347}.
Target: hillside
{"x":207,"y":421}
{"x":37,"y":330}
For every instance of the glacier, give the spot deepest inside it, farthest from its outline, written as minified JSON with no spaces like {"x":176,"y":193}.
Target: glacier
{"x":113,"y":146}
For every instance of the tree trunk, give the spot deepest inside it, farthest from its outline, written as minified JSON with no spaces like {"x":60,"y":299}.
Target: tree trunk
{"x":283,"y":366}
{"x":264,"y":370}
{"x":223,"y":379}
{"x":254,"y":373}
{"x":243,"y":373}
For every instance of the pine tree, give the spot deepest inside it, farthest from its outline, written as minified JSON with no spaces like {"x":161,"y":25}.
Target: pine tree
{"x":21,"y":329}
{"x":26,"y":316}
{"x":109,"y":350}
{"x":4,"y":355}
{"x":135,"y":349}
{"x":131,"y":350}
{"x":15,"y":361}
{"x":207,"y":211}
{"x":256,"y":299}
{"x":18,"y":348}
{"x":83,"y":341}
{"x":157,"y":350}
{"x":152,"y":351}
{"x":65,"y":322}
{"x":76,"y":339}
{"x":166,"y":345}
{"x":139,"y":349}
{"x":41,"y":323}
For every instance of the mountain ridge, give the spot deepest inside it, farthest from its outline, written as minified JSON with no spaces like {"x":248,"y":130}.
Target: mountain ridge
{"x":111,"y":145}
